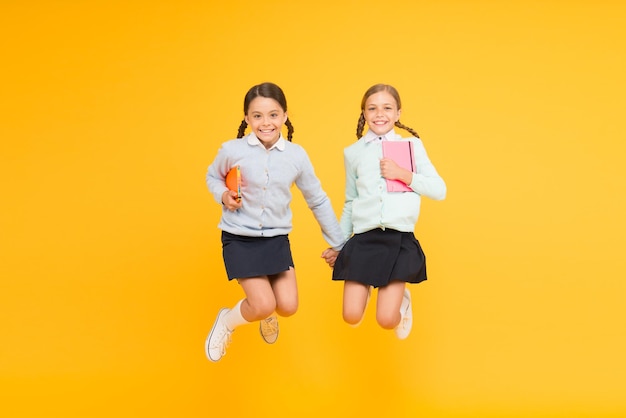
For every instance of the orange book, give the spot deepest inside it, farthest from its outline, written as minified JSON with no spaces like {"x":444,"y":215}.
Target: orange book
{"x":401,"y":152}
{"x":233,"y":180}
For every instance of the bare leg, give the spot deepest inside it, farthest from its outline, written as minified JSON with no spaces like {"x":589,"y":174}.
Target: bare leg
{"x":260,"y":301}
{"x":388,"y":304}
{"x":354,"y":301}
{"x":285,"y":290}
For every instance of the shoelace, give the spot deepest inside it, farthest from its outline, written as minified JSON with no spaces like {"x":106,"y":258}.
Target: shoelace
{"x":269,"y":325}
{"x":404,"y":320}
{"x":222,"y":341}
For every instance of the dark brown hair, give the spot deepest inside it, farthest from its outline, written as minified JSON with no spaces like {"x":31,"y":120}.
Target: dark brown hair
{"x":271,"y":91}
{"x":376,"y":88}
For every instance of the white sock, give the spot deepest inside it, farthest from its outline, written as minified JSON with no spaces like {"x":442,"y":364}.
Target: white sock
{"x":233,"y":318}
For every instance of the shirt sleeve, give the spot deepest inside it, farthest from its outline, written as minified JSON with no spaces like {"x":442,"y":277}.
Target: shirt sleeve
{"x":350,"y":195}
{"x":216,"y":174}
{"x":427,"y":181}
{"x":319,"y":203}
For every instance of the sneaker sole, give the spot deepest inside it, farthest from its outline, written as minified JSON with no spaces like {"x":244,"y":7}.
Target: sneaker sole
{"x":206,"y":342}
{"x":265,"y":339}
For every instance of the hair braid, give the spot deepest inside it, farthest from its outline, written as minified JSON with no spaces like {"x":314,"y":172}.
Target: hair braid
{"x":242,"y":128}
{"x":359,"y":127}
{"x":289,"y":129}
{"x":402,"y":126}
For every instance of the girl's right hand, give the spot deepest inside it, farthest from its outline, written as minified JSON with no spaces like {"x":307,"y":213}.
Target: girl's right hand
{"x":230,"y":200}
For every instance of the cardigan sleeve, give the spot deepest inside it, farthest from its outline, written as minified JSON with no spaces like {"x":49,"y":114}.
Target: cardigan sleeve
{"x":216,"y":174}
{"x":319,"y":203}
{"x":427,"y":181}
{"x":350,"y":195}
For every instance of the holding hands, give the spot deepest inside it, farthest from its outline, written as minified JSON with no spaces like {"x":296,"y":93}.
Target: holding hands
{"x":330,"y":256}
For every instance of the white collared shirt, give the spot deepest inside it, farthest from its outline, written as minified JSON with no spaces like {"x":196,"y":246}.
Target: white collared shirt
{"x":389,"y":136}
{"x":279,"y":144}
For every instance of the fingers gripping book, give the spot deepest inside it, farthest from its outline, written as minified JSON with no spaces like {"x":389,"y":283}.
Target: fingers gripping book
{"x":401,"y":152}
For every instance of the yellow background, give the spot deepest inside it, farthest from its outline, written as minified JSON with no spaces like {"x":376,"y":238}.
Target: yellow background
{"x":111,"y":269}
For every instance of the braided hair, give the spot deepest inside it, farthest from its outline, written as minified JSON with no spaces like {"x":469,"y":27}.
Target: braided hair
{"x":376,"y":89}
{"x":271,"y":91}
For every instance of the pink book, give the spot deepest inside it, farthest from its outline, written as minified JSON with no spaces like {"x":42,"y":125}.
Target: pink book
{"x":401,"y":152}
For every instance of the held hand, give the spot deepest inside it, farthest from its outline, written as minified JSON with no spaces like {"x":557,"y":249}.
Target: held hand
{"x":230,"y":201}
{"x":330,"y":256}
{"x":392,"y":171}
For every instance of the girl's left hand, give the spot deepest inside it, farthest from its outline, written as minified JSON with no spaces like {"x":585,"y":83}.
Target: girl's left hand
{"x":330,"y":256}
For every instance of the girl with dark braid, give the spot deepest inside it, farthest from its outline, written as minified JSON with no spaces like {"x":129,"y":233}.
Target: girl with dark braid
{"x":255,"y":227}
{"x":381,"y":250}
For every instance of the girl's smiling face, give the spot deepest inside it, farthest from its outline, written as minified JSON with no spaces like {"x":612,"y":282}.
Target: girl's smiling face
{"x":266,"y":118}
{"x":381,"y":112}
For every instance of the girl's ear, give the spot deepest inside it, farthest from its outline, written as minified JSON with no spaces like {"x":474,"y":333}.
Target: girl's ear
{"x":399,"y":113}
{"x":286,"y":117}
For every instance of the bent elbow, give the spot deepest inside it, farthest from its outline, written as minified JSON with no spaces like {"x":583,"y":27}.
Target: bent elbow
{"x":441,"y":193}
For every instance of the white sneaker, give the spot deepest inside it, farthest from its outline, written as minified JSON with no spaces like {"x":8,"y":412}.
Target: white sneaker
{"x":269,"y":329}
{"x":406,"y":322}
{"x":219,"y":337}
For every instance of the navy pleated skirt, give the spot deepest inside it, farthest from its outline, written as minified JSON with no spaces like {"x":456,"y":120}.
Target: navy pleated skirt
{"x":378,"y":257}
{"x":254,"y":257}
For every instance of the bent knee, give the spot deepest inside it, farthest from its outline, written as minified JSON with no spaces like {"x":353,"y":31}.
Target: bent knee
{"x":352,"y":317}
{"x":261,"y":309}
{"x":287,"y":309}
{"x":388,"y":321}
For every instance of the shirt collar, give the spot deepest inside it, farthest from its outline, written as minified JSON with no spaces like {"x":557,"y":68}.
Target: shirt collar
{"x":389,"y":136}
{"x":280,"y":144}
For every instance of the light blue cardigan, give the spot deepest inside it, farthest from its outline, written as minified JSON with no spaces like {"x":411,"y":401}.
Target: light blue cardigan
{"x":267,"y":179}
{"x":367,"y":204}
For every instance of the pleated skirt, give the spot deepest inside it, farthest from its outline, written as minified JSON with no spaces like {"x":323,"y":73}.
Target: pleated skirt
{"x":378,"y":257}
{"x":254,"y":256}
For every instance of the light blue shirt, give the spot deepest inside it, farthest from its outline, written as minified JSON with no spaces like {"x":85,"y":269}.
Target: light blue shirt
{"x":267,"y":177}
{"x":368,"y":205}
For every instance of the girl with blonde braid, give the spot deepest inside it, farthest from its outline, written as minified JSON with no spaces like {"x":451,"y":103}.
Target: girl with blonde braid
{"x":382,"y":251}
